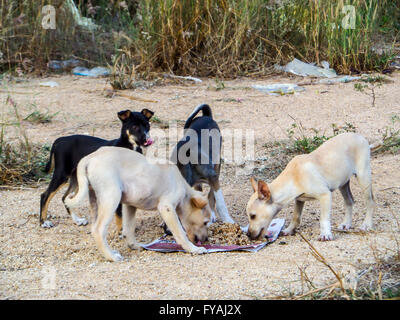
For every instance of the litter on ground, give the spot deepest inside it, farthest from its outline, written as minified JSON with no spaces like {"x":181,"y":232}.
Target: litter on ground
{"x":303,"y":69}
{"x":279,"y":89}
{"x":50,"y":84}
{"x":94,"y":72}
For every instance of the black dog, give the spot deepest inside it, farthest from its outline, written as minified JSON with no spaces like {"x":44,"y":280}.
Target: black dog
{"x":67,"y":151}
{"x":203,"y":167}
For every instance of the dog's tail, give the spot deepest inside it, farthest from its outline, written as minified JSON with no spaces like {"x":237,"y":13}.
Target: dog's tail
{"x":206,"y":110}
{"x":50,"y":164}
{"x":83,"y":185}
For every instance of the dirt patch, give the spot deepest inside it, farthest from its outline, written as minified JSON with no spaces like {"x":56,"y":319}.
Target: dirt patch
{"x":63,"y":262}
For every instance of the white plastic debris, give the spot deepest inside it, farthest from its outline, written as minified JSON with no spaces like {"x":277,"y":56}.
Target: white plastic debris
{"x":185,"y":78}
{"x":343,"y":79}
{"x":57,"y":65}
{"x":279,"y":89}
{"x":50,"y":84}
{"x":95,"y":72}
{"x":303,"y":69}
{"x":395,"y":65}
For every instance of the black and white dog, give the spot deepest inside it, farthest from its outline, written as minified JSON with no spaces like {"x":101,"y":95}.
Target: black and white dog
{"x":198,"y":157}
{"x":67,"y":151}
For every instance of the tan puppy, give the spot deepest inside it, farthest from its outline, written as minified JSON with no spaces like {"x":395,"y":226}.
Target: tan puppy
{"x":112,"y":175}
{"x":313,"y":177}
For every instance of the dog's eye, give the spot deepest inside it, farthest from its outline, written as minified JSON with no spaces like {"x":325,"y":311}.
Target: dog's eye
{"x":252,"y":216}
{"x":205,"y":223}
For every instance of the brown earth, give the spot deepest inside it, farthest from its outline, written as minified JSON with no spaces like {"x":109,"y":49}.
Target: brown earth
{"x":63,"y":262}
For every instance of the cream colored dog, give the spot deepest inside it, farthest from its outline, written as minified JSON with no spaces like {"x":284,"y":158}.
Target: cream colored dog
{"x":313,"y":177}
{"x":112,"y":175}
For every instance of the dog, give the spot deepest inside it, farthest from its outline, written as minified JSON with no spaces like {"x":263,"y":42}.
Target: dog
{"x":67,"y":151}
{"x":113,"y":175}
{"x":198,"y":157}
{"x":315,"y":176}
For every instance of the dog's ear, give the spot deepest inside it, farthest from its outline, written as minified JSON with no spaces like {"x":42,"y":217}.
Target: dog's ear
{"x":124,"y":115}
{"x":147,"y":113}
{"x":199,"y":202}
{"x":263,"y":191}
{"x":254,"y":184}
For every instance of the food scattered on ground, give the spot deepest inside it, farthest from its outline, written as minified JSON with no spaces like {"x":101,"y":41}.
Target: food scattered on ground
{"x":228,"y":234}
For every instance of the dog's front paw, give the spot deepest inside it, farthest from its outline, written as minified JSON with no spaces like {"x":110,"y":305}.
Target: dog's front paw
{"x":344,"y":227}
{"x":367,"y":226}
{"x":198,"y":250}
{"x":47,"y":224}
{"x":80,"y":221}
{"x":116,"y":256}
{"x":325,"y":237}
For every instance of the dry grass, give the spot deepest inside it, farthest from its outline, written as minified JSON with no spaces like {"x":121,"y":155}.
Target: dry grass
{"x":231,"y":38}
{"x":27,"y":47}
{"x":21,"y":162}
{"x":377,"y":281}
{"x":223,"y":38}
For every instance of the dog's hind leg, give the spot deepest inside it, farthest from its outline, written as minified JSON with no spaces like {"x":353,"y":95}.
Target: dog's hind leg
{"x":220,"y":204}
{"x":221,"y":207}
{"x":105,"y":213}
{"x":325,"y":201}
{"x":348,"y":203}
{"x":58,"y":181}
{"x":129,"y":225}
{"x":73,"y":185}
{"x":119,"y":219}
{"x":93,"y":204}
{"x":364,"y":179}
{"x":298,"y":209}
{"x":211,"y":201}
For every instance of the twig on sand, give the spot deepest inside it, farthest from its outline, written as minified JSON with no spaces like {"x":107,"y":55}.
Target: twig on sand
{"x":16,"y":92}
{"x":16,"y":188}
{"x":388,"y":188}
{"x":113,"y":93}
{"x":331,"y":286}
{"x":184,"y":78}
{"x":322,"y":259}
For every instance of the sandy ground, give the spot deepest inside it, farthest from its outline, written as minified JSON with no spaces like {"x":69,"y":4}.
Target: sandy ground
{"x":63,"y":262}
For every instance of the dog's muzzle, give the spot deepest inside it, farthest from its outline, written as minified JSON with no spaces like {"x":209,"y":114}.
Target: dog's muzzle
{"x":253,"y":235}
{"x":199,"y":241}
{"x":148,"y":142}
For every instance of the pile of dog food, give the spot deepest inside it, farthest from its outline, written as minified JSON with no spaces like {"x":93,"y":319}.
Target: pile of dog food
{"x":228,"y":234}
{"x":225,"y":234}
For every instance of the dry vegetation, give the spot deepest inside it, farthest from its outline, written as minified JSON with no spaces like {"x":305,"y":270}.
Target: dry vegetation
{"x":140,"y":40}
{"x":223,"y":38}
